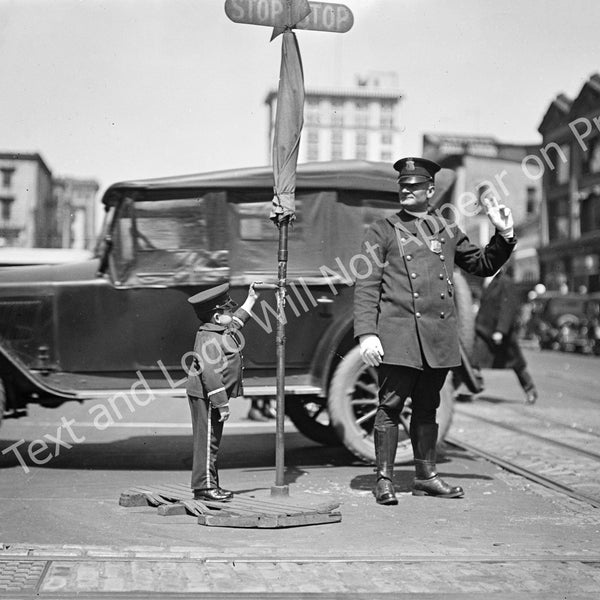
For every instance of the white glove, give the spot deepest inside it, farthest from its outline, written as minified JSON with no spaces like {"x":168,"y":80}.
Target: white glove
{"x":371,"y":350}
{"x":499,"y":215}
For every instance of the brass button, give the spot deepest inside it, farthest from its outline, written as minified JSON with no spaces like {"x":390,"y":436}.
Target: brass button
{"x":442,"y":257}
{"x":416,"y":295}
{"x":418,"y":315}
{"x":442,"y":315}
{"x":441,"y":276}
{"x":409,"y":257}
{"x":402,"y":240}
{"x":442,"y":295}
{"x":442,"y":240}
{"x":413,"y":275}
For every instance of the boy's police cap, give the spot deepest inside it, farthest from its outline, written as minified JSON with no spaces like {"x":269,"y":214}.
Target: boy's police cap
{"x":212,"y":299}
{"x":416,"y":170}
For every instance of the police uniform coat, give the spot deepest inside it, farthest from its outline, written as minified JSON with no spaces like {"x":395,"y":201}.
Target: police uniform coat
{"x":217,"y":371}
{"x":405,"y":293}
{"x":498,"y":311}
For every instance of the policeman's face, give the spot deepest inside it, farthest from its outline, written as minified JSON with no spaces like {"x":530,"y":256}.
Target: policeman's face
{"x":415,"y":196}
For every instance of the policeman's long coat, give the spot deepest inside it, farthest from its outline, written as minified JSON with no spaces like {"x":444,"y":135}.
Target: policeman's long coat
{"x":403,"y":294}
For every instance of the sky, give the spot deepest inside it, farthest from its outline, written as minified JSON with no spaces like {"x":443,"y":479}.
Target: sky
{"x":127,"y":89}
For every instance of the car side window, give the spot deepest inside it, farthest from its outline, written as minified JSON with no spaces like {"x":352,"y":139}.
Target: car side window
{"x":171,"y":241}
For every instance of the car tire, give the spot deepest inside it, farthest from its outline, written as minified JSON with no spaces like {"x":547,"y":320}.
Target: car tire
{"x":353,"y":402}
{"x":463,"y":301}
{"x":310,"y":416}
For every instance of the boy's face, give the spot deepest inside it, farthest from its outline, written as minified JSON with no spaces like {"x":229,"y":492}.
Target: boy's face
{"x":223,"y":317}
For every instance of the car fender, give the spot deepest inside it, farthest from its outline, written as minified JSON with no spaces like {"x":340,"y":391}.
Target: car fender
{"x":16,"y":373}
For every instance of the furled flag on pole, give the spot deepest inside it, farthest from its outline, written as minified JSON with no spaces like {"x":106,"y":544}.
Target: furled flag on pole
{"x":289,"y":119}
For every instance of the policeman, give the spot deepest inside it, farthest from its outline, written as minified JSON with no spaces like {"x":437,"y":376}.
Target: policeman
{"x":215,"y":377}
{"x":405,"y":318}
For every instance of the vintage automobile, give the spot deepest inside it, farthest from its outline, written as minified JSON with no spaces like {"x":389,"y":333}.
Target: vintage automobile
{"x":567,"y":322}
{"x":120,"y":322}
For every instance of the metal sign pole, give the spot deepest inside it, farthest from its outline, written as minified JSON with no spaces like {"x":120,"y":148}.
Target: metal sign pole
{"x":282,"y":257}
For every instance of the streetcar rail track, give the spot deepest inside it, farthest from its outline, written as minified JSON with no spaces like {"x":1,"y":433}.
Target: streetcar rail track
{"x":545,"y":419}
{"x":524,"y":472}
{"x":533,"y":456}
{"x":508,"y":427}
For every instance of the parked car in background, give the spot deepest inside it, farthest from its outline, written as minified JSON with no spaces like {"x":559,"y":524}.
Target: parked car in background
{"x":567,"y":322}
{"x":119,"y":325}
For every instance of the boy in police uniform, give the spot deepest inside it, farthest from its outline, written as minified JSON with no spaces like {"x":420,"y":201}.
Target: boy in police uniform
{"x":215,"y":377}
{"x":405,"y":319}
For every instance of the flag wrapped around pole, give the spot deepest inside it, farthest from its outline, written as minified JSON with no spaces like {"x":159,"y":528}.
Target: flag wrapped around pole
{"x":289,"y":119}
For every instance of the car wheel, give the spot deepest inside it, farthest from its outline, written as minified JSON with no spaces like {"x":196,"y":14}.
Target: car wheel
{"x":464,"y":307}
{"x":353,"y":403}
{"x":310,"y":416}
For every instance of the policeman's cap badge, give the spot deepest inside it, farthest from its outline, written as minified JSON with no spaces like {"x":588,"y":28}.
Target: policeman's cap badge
{"x":416,"y":170}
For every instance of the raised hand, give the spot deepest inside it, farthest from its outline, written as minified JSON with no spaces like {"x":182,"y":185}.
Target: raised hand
{"x":499,"y":214}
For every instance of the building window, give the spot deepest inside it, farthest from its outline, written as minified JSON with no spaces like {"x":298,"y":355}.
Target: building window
{"x":386,"y":139}
{"x":337,"y":113}
{"x":590,"y":214}
{"x":312,"y":152}
{"x":557,"y":162}
{"x":313,"y":116}
{"x":558,"y":219}
{"x":362,"y":115}
{"x":532,"y":201}
{"x":5,"y":207}
{"x":312,"y":136}
{"x":591,"y":158}
{"x":337,"y":146}
{"x":386,"y":155}
{"x":7,"y":173}
{"x":386,"y":117}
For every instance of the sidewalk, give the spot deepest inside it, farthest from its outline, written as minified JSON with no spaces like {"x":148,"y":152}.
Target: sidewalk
{"x":506,"y":537}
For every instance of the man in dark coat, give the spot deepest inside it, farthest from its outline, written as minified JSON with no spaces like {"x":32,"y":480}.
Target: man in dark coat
{"x":497,"y":342}
{"x":405,"y":318}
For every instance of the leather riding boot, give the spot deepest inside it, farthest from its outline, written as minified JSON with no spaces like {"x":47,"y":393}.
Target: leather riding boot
{"x":386,"y":442}
{"x":427,"y":482}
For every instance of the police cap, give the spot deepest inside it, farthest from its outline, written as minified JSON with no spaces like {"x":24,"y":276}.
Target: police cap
{"x":416,"y":170}
{"x":214,"y":298}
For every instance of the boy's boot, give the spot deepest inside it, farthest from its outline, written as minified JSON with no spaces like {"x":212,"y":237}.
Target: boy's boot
{"x":427,"y":482}
{"x":386,"y":442}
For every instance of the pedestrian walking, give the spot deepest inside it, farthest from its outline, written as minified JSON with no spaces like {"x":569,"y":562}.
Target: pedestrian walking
{"x":405,"y":318}
{"x":497,"y":332}
{"x":215,"y":378}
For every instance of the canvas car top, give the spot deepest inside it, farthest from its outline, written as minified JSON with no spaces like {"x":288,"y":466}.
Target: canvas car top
{"x":343,"y":174}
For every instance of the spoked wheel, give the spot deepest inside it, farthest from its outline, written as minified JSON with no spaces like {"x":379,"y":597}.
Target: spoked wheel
{"x":310,"y":417}
{"x":353,"y":403}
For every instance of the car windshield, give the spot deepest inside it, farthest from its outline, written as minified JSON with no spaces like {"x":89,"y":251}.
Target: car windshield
{"x":174,"y":241}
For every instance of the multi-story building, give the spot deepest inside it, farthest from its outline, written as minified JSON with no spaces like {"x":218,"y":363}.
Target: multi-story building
{"x":25,"y":186}
{"x":484,"y":163}
{"x":37,"y":210}
{"x":570,"y":160}
{"x":361,"y":122}
{"x":76,"y":210}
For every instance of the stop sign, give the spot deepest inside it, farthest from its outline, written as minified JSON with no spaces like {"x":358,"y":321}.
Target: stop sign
{"x":323,"y":16}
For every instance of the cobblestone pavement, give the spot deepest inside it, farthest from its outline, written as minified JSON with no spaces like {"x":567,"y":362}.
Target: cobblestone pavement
{"x":473,"y":576}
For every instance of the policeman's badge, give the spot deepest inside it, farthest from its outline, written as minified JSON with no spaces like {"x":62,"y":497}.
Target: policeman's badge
{"x":410,"y":165}
{"x":436,"y":246}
